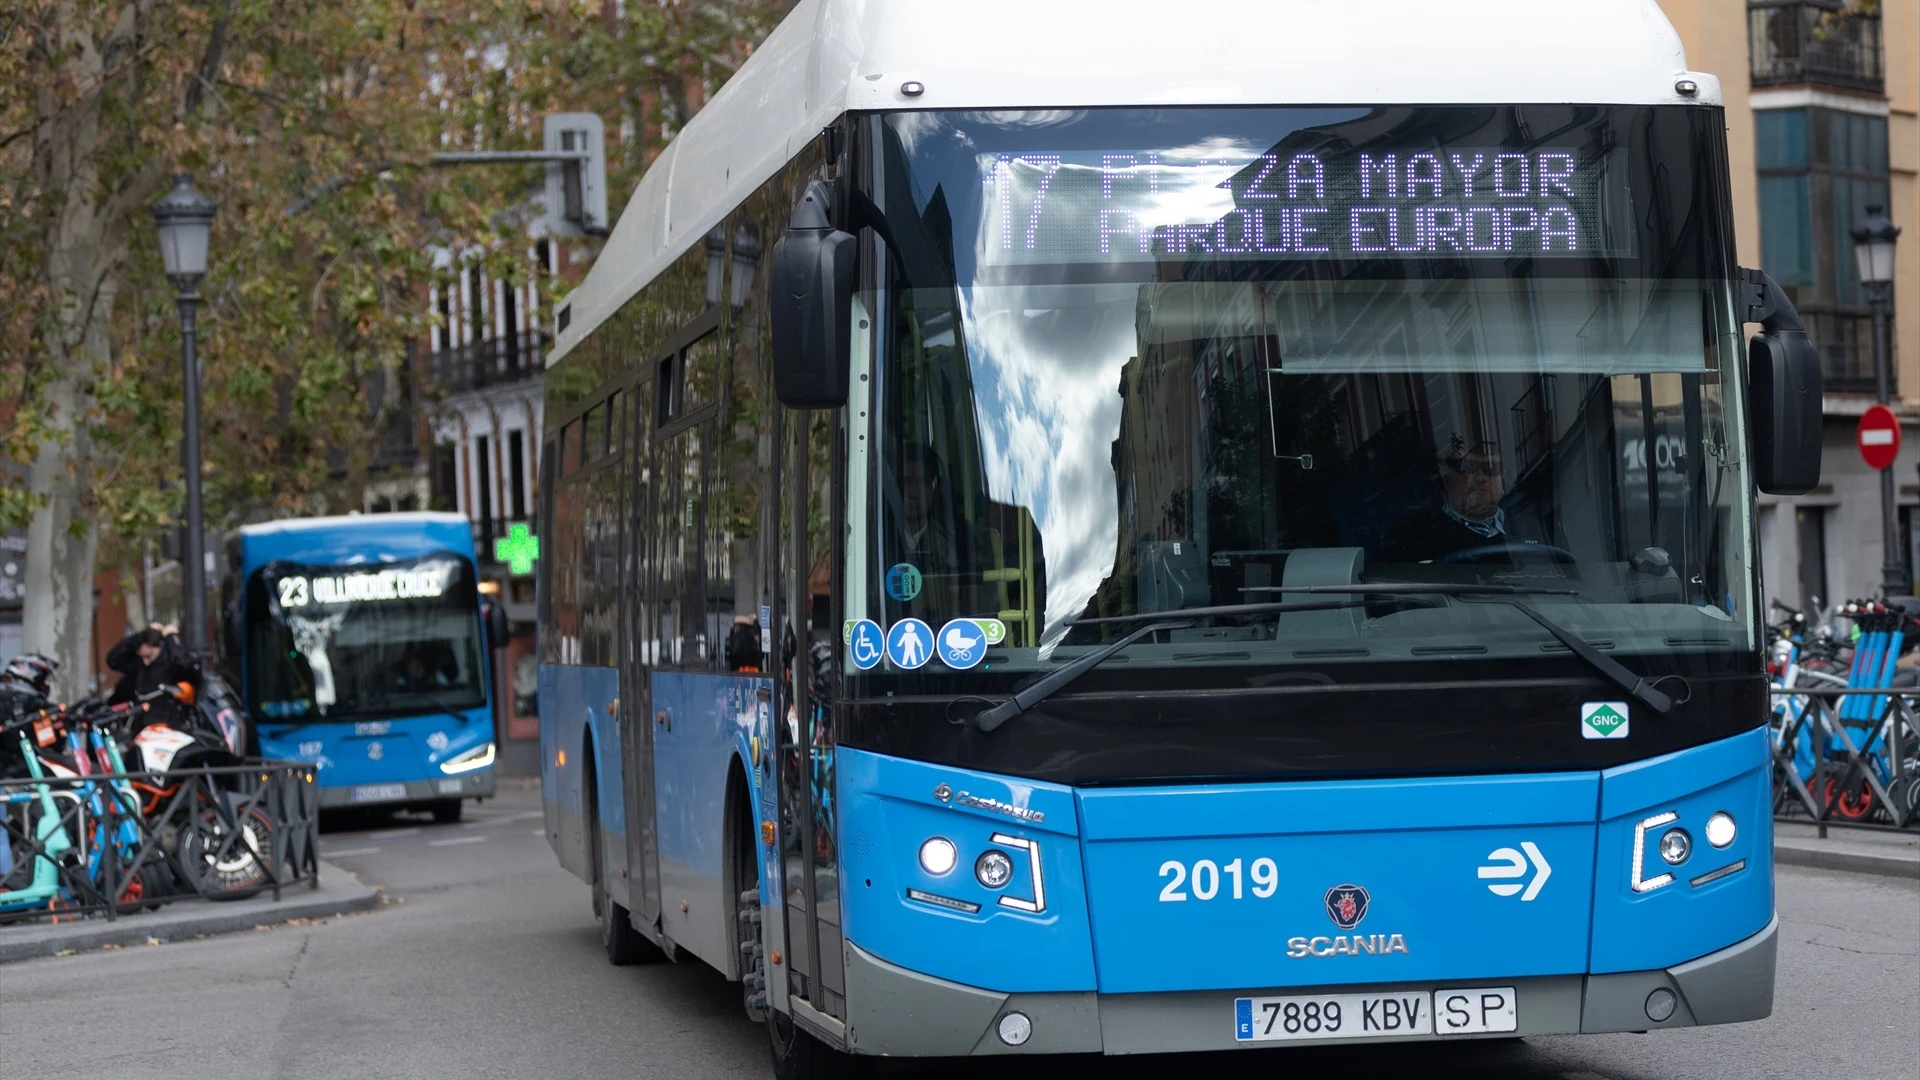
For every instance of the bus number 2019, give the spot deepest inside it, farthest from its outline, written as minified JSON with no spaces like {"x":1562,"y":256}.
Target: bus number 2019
{"x":1206,"y":878}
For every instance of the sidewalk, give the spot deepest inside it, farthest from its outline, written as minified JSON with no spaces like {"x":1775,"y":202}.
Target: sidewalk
{"x":1861,"y":851}
{"x":338,"y":894}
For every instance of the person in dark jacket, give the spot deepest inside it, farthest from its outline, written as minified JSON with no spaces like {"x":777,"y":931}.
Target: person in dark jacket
{"x":1470,"y":513}
{"x":149,"y":659}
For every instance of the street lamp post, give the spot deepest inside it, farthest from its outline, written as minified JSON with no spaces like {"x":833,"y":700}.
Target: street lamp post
{"x":1873,"y":241}
{"x":184,"y":218}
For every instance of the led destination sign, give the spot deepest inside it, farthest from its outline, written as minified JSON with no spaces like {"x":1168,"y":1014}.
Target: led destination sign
{"x":1075,"y":206}
{"x":425,"y":582}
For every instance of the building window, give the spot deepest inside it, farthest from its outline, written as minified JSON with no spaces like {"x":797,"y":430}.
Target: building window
{"x":1810,"y":522}
{"x":483,"y":503}
{"x":443,"y":309}
{"x":1819,"y":170}
{"x":476,"y":304}
{"x":517,"y":474}
{"x":446,"y":477}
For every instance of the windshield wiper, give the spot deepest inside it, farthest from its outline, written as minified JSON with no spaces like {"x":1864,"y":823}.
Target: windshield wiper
{"x":1640,"y":689}
{"x":1051,"y":683}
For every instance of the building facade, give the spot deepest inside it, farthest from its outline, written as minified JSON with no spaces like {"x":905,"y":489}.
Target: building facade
{"x":1823,"y":117}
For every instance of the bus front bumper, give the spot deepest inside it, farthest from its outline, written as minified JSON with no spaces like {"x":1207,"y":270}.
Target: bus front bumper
{"x":894,"y":1011}
{"x":473,"y":785}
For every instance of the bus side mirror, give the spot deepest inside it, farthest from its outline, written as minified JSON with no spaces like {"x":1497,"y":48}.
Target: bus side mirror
{"x":495,"y":615}
{"x":1783,"y":369}
{"x":812,"y":307}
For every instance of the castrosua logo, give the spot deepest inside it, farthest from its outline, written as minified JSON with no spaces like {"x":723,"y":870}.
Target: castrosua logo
{"x":1603,"y":720}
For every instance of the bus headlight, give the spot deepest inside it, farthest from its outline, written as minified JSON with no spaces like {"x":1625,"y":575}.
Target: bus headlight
{"x":1676,"y":846}
{"x":1639,"y":882}
{"x":468,"y":760}
{"x":937,"y":856}
{"x":1721,"y":829}
{"x":993,"y":869}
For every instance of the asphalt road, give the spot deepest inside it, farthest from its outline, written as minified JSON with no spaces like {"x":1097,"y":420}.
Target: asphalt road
{"x":486,"y":963}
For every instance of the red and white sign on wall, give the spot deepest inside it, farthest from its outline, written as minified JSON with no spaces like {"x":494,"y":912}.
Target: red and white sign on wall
{"x":1879,"y":437}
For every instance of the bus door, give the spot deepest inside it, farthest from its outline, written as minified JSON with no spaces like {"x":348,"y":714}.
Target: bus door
{"x":809,"y":836}
{"x":637,"y":633}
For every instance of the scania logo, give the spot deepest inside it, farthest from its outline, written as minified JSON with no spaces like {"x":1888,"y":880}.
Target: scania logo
{"x":1347,"y":905}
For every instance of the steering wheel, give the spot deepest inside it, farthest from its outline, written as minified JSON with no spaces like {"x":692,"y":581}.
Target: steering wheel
{"x":1513,"y":549}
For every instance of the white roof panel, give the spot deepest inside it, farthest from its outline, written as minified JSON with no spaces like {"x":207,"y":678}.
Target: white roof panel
{"x":835,"y":56}
{"x":404,"y":517}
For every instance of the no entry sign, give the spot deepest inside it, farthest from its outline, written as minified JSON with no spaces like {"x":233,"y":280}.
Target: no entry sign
{"x":1879,"y":437}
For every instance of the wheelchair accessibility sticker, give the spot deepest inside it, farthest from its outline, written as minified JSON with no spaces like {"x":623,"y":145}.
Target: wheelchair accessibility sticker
{"x":866,"y":644}
{"x":909,"y":644}
{"x":962,"y":644}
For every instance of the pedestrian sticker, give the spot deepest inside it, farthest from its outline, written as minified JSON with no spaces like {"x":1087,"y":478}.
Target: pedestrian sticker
{"x":962,"y":644}
{"x":994,"y":629}
{"x":909,"y":644}
{"x":1603,"y":720}
{"x":865,"y":643}
{"x":903,"y":581}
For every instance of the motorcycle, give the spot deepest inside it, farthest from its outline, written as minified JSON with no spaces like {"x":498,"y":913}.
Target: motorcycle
{"x":220,"y":839}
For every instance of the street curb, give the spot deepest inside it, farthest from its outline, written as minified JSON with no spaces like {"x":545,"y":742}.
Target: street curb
{"x":340,"y":893}
{"x":1850,"y":861}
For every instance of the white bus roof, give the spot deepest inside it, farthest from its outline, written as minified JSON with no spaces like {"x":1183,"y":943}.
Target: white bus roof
{"x":410,"y":517}
{"x":834,"y":56}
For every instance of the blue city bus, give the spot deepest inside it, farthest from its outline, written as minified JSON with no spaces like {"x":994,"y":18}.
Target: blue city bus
{"x":1067,"y":533}
{"x":360,"y":643}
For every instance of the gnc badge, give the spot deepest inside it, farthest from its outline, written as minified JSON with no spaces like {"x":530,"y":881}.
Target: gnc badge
{"x":1603,"y":720}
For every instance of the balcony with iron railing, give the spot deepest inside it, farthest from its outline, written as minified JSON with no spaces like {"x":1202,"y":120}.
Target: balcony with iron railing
{"x":1827,"y":42}
{"x":492,"y":362}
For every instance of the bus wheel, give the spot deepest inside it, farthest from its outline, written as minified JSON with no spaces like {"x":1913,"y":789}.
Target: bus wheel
{"x":447,"y":811}
{"x":619,"y":938}
{"x":799,"y":1056}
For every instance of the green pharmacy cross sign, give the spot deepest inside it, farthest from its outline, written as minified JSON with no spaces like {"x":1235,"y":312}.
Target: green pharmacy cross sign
{"x":517,"y":549}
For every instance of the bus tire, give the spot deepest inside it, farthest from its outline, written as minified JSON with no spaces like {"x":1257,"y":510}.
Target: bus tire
{"x":446,"y":811}
{"x":623,"y":944}
{"x":799,"y":1056}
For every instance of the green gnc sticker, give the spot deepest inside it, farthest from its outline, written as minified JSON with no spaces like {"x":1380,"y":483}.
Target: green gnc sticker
{"x":1603,"y":720}
{"x":994,"y":629}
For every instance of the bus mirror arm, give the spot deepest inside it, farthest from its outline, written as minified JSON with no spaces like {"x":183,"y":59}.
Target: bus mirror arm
{"x":812,"y":306}
{"x":1783,"y":372}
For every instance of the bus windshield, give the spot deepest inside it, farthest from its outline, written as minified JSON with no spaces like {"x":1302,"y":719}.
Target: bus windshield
{"x":364,"y":640}
{"x":1140,"y":361}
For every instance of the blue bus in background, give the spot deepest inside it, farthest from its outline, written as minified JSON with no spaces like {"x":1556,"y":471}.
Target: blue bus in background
{"x":1073,"y":535}
{"x":360,"y":643}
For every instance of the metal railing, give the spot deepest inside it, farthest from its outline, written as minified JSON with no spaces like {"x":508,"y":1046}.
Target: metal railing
{"x":1846,"y":756}
{"x":1820,"y":42}
{"x":491,"y":362}
{"x":115,"y":844}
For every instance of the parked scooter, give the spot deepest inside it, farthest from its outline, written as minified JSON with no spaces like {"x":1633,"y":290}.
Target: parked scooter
{"x":222,"y":845}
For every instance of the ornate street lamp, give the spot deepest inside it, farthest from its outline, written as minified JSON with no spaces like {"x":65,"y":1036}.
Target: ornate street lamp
{"x":1873,"y":241}
{"x":184,"y":218}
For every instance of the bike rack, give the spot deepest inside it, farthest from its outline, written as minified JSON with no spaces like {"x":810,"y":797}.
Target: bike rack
{"x":283,"y":793}
{"x":1830,"y":718}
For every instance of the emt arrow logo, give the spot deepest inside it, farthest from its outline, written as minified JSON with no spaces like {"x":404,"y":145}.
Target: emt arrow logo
{"x":1509,"y":864}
